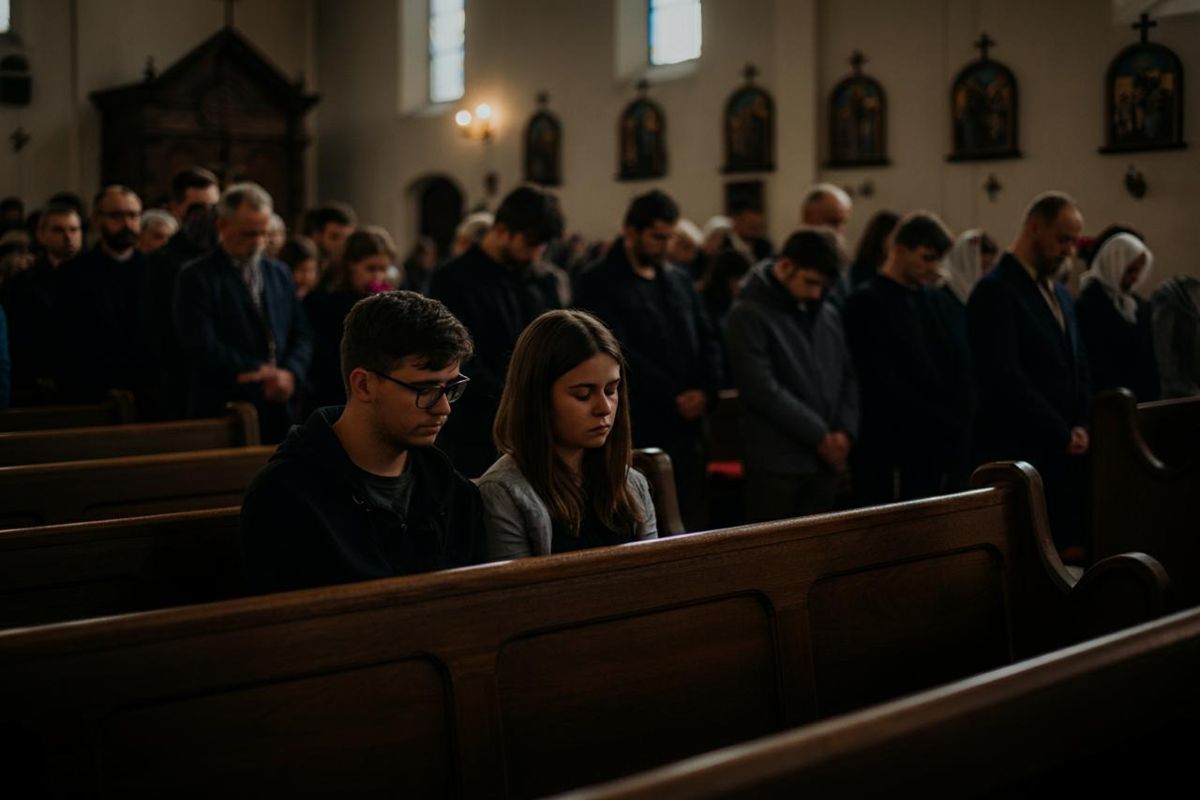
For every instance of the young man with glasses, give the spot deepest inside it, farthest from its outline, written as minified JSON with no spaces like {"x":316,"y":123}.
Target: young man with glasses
{"x":360,"y":492}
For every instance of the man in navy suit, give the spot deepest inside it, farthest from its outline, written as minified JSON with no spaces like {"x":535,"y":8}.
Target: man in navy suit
{"x":1029,"y":365}
{"x":238,"y":319}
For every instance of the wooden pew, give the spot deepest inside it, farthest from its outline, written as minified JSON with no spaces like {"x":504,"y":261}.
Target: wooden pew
{"x":118,"y":409}
{"x":656,"y":466}
{"x":109,"y":488}
{"x":238,"y":428}
{"x":93,"y":569}
{"x":1114,"y":717}
{"x":1144,"y":491}
{"x":544,"y":674}
{"x":57,"y":573}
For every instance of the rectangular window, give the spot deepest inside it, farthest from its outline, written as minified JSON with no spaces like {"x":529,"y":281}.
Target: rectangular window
{"x":674,"y":30}
{"x":5,"y":16}
{"x":447,"y":39}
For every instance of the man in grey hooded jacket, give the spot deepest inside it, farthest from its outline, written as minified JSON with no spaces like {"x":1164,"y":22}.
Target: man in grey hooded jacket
{"x":796,"y":385}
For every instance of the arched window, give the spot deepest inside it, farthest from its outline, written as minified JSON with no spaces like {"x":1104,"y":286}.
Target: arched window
{"x":447,"y":41}
{"x":674,"y":31}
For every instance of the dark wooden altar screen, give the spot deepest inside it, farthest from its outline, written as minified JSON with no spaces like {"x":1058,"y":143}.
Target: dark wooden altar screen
{"x":222,"y":106}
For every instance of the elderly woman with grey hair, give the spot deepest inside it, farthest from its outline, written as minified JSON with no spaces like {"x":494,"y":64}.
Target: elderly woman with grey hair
{"x":158,"y":225}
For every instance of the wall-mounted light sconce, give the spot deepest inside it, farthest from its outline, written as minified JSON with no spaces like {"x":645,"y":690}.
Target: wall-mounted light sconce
{"x":479,"y":125}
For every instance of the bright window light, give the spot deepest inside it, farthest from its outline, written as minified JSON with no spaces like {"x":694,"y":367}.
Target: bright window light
{"x":447,"y":39}
{"x":5,"y":16}
{"x":674,"y":31}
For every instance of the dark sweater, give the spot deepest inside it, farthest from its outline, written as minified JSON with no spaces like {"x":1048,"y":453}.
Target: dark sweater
{"x":495,"y":303}
{"x":102,"y":309}
{"x":327,"y":312}
{"x":669,"y":343}
{"x":310,"y":519}
{"x":1120,"y":352}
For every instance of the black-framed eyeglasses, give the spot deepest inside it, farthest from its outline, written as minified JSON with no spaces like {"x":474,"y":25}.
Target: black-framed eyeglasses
{"x":428,"y":396}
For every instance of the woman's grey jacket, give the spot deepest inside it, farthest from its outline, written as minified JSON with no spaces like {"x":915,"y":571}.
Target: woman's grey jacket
{"x":517,"y":521}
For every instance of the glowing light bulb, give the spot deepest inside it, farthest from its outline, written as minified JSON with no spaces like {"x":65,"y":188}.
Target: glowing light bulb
{"x":483,"y":111}
{"x":462,"y":118}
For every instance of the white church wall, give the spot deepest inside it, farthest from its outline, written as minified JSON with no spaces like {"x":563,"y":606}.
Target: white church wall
{"x":372,"y":153}
{"x":1059,"y":53}
{"x":112,"y":42}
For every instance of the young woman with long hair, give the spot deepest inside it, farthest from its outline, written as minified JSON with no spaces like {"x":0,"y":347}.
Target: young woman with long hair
{"x":564,"y":481}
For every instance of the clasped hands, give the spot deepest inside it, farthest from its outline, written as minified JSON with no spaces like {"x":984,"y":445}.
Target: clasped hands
{"x":278,"y":384}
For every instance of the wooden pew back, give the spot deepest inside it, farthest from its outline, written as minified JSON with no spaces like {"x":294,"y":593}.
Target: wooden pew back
{"x":1115,"y":716}
{"x":1138,"y":500}
{"x":118,"y":409}
{"x":534,"y":676}
{"x":109,"y":488}
{"x":656,"y":466}
{"x":58,"y":573}
{"x":238,"y":428}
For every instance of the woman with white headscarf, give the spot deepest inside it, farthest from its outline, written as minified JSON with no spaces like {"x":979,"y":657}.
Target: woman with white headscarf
{"x":972,"y":255}
{"x":1114,"y":322}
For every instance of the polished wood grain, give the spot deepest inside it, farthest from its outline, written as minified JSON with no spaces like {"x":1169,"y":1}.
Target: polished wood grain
{"x":116,"y":410}
{"x":553,"y":671}
{"x":1144,"y":486}
{"x":238,"y":428}
{"x":110,"y":488}
{"x":1114,"y":716}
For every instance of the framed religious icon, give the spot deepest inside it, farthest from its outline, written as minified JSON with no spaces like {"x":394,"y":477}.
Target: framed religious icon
{"x":543,"y":146}
{"x":750,"y":128}
{"x":642,"y":134}
{"x":858,"y":120}
{"x":745,"y":194}
{"x":1143,"y":95}
{"x":983,"y":110}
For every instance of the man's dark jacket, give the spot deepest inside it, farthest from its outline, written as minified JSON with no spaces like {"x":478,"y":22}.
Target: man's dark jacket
{"x":1031,"y":376}
{"x":669,"y":343}
{"x":168,"y":398}
{"x":495,"y":304}
{"x":307,"y":519}
{"x":913,"y":376}
{"x":102,"y":310}
{"x":223,"y":334}
{"x":31,"y":303}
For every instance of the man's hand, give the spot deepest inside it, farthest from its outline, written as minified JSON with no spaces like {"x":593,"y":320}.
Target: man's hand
{"x":256,"y":376}
{"x":691,"y":404}
{"x":279,"y":385}
{"x":1079,"y":442}
{"x":834,"y":450}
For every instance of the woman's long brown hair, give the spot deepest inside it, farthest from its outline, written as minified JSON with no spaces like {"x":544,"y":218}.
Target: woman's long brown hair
{"x":553,"y":345}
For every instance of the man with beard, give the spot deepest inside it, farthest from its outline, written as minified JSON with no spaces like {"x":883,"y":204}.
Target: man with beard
{"x":796,"y":385}
{"x":194,"y":196}
{"x":1029,"y":366}
{"x":672,"y":350}
{"x":495,"y":292}
{"x":31,"y":303}
{"x":101,"y":305}
{"x":238,"y":319}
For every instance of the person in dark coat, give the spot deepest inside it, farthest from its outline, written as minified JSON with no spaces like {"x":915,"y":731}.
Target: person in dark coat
{"x":796,"y":387}
{"x":913,"y":373}
{"x":194,"y":197}
{"x":673,"y":352}
{"x":1115,"y":323}
{"x":102,"y":308}
{"x":872,"y":247}
{"x":239,"y":322}
{"x":362,"y":272}
{"x":1176,"y":307}
{"x":361,"y":492}
{"x":30,"y":299}
{"x":495,"y":291}
{"x":1030,"y":368}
